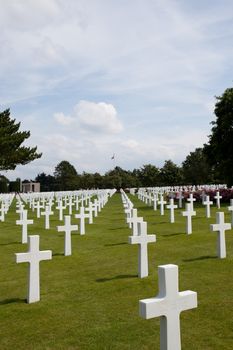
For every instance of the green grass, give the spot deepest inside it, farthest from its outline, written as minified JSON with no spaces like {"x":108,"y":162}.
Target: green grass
{"x":90,"y":299}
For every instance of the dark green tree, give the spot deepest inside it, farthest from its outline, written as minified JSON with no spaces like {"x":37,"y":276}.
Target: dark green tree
{"x":149,"y":175}
{"x":66,"y":176}
{"x":4,"y":184}
{"x":219,"y":150}
{"x":196,"y":170}
{"x":170,"y":174}
{"x":98,"y":180}
{"x":112,"y":181}
{"x":87,"y":181}
{"x":119,"y":177}
{"x":47,"y":182}
{"x":11,"y":139}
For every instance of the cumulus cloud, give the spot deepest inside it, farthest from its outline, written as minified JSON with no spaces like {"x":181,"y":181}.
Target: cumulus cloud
{"x":93,"y":117}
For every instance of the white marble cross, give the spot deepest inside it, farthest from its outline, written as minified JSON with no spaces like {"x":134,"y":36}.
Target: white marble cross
{"x":191,"y":199}
{"x":34,"y":256}
{"x":91,"y":210}
{"x":172,"y":206}
{"x":47,"y":214}
{"x":218,"y":197}
{"x":98,"y":203}
{"x":2,"y":211}
{"x":67,"y":228}
{"x":96,"y":208}
{"x":133,"y":221}
{"x":76,"y":203}
{"x":207,"y":203}
{"x":60,"y":207}
{"x":82,"y":216}
{"x":230,"y":208}
{"x":180,"y":198}
{"x":70,"y":205}
{"x":155,"y":202}
{"x":168,"y":305}
{"x":220,"y":227}
{"x":24,"y":222}
{"x":142,"y":239}
{"x":162,"y":202}
{"x":20,"y":210}
{"x":38,"y":206}
{"x":188,"y":213}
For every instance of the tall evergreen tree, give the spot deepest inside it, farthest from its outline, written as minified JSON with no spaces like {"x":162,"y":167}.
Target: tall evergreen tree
{"x":11,"y":139}
{"x":219,"y":150}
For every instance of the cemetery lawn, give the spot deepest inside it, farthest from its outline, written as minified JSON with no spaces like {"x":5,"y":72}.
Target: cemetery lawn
{"x":90,"y":300}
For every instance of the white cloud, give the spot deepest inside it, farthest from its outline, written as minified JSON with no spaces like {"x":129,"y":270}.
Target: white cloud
{"x":63,"y":119}
{"x":93,"y":117}
{"x":98,"y":116}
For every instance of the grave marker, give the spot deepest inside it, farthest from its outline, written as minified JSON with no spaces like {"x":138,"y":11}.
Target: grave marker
{"x":142,"y":239}
{"x":82,"y":216}
{"x":168,"y":305}
{"x":207,"y":203}
{"x":33,"y":257}
{"x":162,"y":202}
{"x":2,"y":211}
{"x":220,"y":227}
{"x":67,"y":228}
{"x":60,"y":207}
{"x":188,"y":213}
{"x":24,"y":222}
{"x":172,"y":206}
{"x":191,"y":199}
{"x":133,"y":221}
{"x":218,"y":197}
{"x":47,"y":214}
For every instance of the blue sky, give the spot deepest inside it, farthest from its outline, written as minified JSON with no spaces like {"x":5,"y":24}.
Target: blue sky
{"x":90,"y":78}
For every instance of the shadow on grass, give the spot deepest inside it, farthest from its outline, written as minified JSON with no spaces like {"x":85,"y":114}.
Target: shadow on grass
{"x":118,"y":277}
{"x":173,"y":234}
{"x":118,"y":228}
{"x":115,"y":244}
{"x":12,"y":300}
{"x":204,"y":257}
{"x":10,"y":243}
{"x":58,"y":254}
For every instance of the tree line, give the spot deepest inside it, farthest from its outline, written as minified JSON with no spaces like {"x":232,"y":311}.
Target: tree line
{"x":66,"y":177}
{"x":211,"y":163}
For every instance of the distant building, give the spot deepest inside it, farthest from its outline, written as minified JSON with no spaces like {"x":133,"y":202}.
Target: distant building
{"x":31,"y":187}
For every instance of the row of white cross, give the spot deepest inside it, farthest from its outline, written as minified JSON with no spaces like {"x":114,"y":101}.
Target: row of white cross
{"x":189,"y":208}
{"x":5,"y":203}
{"x":34,"y":255}
{"x":169,"y":302}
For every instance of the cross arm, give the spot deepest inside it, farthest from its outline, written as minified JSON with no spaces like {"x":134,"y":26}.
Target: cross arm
{"x":22,"y":257}
{"x":45,"y":255}
{"x":187,"y":300}
{"x":150,"y":308}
